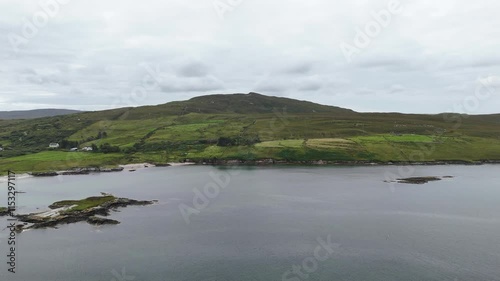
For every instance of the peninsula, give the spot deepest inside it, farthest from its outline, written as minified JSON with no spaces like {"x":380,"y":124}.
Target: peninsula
{"x":71,"y":211}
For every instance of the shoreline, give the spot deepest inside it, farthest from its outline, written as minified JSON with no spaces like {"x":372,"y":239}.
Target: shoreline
{"x":18,"y":177}
{"x":361,"y":163}
{"x":263,"y":162}
{"x":92,"y":170}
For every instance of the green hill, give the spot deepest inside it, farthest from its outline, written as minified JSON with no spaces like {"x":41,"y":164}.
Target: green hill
{"x":245,"y":127}
{"x":251,"y":103}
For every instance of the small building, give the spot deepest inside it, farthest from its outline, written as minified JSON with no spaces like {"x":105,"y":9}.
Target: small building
{"x":87,"y":148}
{"x":54,"y":145}
{"x":74,"y":149}
{"x":1,"y":148}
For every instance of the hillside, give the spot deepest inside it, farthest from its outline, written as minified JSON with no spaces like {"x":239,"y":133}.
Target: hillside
{"x":251,"y":103}
{"x":245,"y":127}
{"x":32,"y":114}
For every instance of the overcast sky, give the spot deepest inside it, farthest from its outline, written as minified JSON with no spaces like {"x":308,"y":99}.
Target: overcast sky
{"x":430,"y":56}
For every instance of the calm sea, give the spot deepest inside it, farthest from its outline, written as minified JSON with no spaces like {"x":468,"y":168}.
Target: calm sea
{"x":267,"y":224}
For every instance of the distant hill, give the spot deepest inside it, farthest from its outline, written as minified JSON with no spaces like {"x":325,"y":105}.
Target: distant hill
{"x":252,"y":103}
{"x":37,"y":113}
{"x":257,"y":103}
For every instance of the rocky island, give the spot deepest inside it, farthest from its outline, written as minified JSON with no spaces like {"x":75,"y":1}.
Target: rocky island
{"x":421,"y":180}
{"x":71,"y":211}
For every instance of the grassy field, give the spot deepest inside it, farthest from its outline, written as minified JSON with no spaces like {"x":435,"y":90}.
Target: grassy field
{"x":395,"y":138}
{"x":58,"y":160}
{"x":451,"y":148}
{"x":123,"y":133}
{"x":282,"y":144}
{"x":246,"y":127}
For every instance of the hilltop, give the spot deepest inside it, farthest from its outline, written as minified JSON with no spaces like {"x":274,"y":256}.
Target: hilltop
{"x":252,"y":103}
{"x":245,"y":127}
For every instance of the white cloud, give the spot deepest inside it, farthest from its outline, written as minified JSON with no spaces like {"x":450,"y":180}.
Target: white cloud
{"x":90,"y":53}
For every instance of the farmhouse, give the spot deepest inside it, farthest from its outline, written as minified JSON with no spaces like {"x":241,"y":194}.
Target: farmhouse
{"x":87,"y":148}
{"x":54,"y":145}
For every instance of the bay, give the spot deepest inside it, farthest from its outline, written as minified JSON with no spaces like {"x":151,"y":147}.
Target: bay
{"x":266,"y":220}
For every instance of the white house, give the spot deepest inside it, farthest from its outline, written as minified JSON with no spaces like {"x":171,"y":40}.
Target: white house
{"x":54,"y":145}
{"x":87,"y":148}
{"x":1,"y":148}
{"x":74,"y":149}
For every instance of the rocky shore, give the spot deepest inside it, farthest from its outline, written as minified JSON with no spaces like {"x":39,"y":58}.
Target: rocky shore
{"x":93,"y":170}
{"x":77,"y":171}
{"x":72,"y":211}
{"x":257,"y":162}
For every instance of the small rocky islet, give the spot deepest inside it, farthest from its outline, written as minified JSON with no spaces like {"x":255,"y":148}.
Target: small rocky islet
{"x":90,"y":209}
{"x":421,"y":180}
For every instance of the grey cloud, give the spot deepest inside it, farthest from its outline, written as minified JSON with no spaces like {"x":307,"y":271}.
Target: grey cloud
{"x":269,"y":88}
{"x":283,"y":84}
{"x":203,"y":84}
{"x":391,"y":64}
{"x":301,"y":68}
{"x":194,"y":69}
{"x":311,"y":86}
{"x":97,"y":48}
{"x":30,"y":71}
{"x":375,"y":63}
{"x":46,"y":79}
{"x":477,"y":63}
{"x":456,"y":88}
{"x":365,"y":91}
{"x":396,"y":88}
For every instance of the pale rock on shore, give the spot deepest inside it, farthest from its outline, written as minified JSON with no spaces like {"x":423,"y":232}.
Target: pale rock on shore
{"x":18,"y":177}
{"x":147,"y":165}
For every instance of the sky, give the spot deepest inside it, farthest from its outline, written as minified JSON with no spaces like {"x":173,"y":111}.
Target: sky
{"x":412,"y":56}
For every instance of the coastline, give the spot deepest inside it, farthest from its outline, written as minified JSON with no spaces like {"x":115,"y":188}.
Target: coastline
{"x":92,"y":170}
{"x":18,"y":177}
{"x":271,"y":162}
{"x":263,"y":162}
